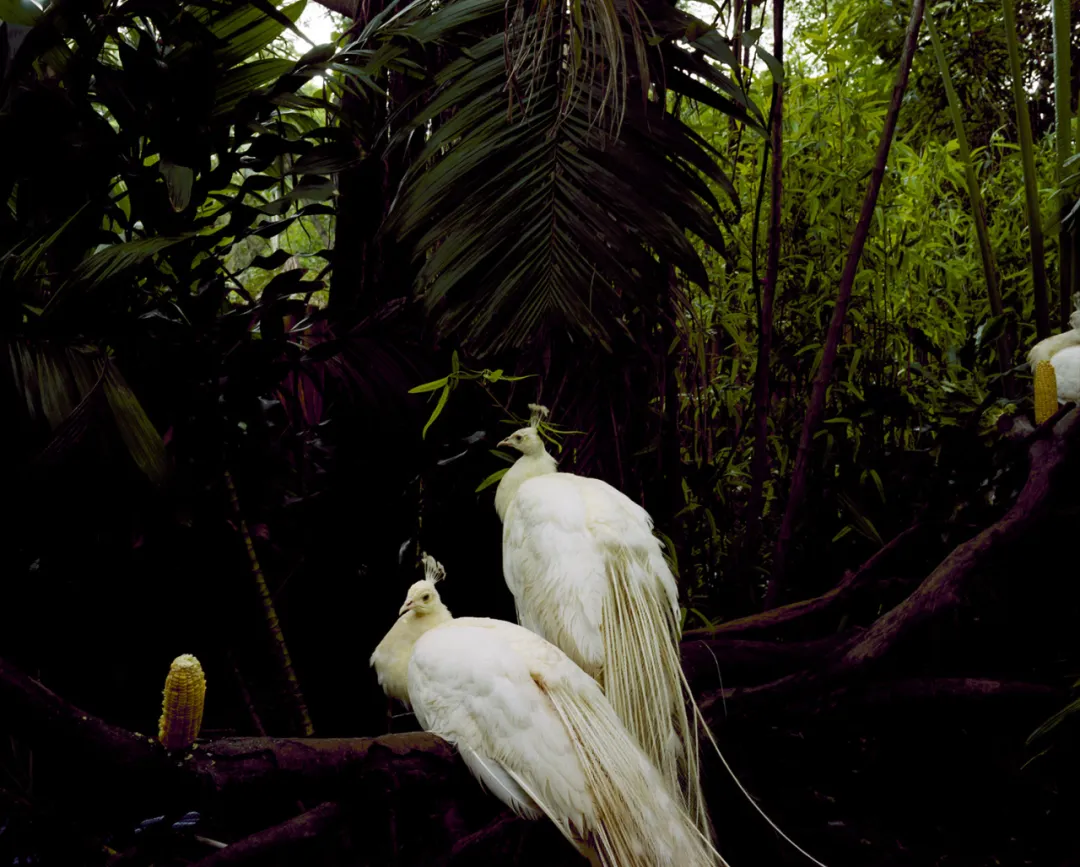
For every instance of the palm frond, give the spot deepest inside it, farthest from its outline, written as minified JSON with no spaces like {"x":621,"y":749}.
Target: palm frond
{"x":532,"y":203}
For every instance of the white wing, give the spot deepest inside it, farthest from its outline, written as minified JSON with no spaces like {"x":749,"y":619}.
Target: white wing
{"x":476,"y":683}
{"x":1067,"y":373}
{"x":1047,"y":349}
{"x":558,"y":536}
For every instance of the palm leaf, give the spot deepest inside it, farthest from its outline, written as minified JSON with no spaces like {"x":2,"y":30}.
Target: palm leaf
{"x":528,"y":208}
{"x":60,"y":384}
{"x":111,"y":261}
{"x":139,"y":434}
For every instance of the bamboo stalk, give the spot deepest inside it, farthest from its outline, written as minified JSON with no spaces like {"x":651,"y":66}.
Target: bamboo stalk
{"x":1063,"y":138}
{"x":978,"y":209}
{"x":762,"y":393}
{"x":1031,"y":181}
{"x":272,"y":623}
{"x":816,"y":408}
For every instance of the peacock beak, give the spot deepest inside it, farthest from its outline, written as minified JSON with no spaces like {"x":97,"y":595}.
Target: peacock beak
{"x":506,"y":444}
{"x":408,"y":606}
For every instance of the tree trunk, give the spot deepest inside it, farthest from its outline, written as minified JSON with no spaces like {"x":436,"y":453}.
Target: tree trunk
{"x":816,"y":408}
{"x":762,"y":391}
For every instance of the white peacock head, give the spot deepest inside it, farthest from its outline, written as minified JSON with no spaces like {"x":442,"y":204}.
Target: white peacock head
{"x":526,"y":440}
{"x":421,"y":599}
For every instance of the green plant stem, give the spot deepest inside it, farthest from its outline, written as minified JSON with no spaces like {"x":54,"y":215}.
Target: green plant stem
{"x":762,"y":391}
{"x":978,"y":209}
{"x":1063,"y":134}
{"x":1031,"y":181}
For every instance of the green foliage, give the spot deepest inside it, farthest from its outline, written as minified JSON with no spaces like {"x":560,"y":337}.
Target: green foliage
{"x":919,"y":377}
{"x":531,"y":214}
{"x":446,"y":385}
{"x":146,"y":148}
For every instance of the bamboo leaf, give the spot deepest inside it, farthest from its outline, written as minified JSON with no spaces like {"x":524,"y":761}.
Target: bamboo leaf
{"x":443,"y":398}
{"x":430,"y":386}
{"x":492,"y":479}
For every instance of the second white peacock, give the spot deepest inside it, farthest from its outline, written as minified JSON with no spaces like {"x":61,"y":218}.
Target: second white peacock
{"x":536,"y":731}
{"x":1063,"y":352}
{"x":588,"y":575}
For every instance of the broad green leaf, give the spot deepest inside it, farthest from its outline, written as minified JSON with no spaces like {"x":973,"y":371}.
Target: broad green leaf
{"x":179,"y":180}
{"x":775,"y":66}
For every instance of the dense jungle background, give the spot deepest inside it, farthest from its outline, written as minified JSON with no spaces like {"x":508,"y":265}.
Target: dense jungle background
{"x":267,"y":307}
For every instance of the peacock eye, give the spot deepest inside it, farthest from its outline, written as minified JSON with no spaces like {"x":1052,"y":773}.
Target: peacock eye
{"x":426,"y":597}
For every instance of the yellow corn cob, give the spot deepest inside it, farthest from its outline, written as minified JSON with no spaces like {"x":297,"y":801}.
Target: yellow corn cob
{"x":1046,"y":396}
{"x":182,"y":710}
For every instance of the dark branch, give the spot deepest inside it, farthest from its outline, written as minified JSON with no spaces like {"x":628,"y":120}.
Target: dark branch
{"x":231,"y":768}
{"x":947,"y":589}
{"x":783,"y":619}
{"x":290,"y":839}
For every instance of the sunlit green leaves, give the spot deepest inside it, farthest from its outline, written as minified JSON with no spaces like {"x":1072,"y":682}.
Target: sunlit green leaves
{"x":458,"y":374}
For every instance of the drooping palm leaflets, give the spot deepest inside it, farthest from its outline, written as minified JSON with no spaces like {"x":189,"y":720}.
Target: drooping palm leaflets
{"x":555,"y":186}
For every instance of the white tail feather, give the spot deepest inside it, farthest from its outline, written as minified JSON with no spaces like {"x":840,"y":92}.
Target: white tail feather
{"x":638,"y":822}
{"x":641,"y":678}
{"x":642,"y":659}
{"x":716,"y":747}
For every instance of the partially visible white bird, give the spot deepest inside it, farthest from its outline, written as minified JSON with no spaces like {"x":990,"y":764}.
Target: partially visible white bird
{"x":1063,"y":353}
{"x":588,"y":575}
{"x":391,"y":656}
{"x":536,"y":731}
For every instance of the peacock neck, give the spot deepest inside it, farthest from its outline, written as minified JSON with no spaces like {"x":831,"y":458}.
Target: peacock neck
{"x":396,"y":674}
{"x":526,"y":467}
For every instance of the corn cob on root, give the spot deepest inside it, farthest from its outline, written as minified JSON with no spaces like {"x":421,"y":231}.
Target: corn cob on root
{"x":1046,"y":393}
{"x":182,"y":709}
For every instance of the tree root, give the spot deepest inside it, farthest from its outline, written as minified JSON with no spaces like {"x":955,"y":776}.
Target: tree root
{"x":289,"y":840}
{"x":231,"y":773}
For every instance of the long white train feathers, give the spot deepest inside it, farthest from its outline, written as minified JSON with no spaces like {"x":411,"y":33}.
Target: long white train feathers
{"x":537,"y":731}
{"x":588,"y":574}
